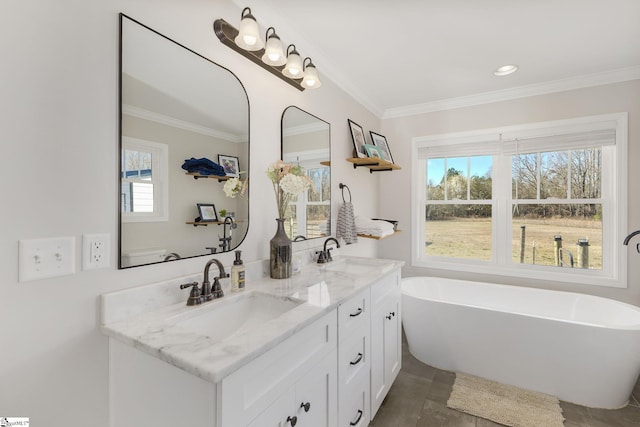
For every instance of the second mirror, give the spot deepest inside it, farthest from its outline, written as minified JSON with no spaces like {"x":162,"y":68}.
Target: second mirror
{"x":306,"y":142}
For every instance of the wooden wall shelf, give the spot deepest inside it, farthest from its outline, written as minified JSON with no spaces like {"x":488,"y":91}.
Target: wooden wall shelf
{"x":367,"y":236}
{"x":196,"y":175}
{"x":374,"y":164}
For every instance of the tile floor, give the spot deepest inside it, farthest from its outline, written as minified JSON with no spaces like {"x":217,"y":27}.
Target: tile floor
{"x":419,"y":397}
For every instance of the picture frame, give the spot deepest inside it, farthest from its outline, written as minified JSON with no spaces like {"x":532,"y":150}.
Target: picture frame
{"x":231,"y":165}
{"x":207,"y":212}
{"x":357,"y":137}
{"x":380,"y":141}
{"x":373,"y":151}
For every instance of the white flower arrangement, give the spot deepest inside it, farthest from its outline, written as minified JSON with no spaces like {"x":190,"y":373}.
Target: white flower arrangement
{"x":234,"y":187}
{"x":288,"y":180}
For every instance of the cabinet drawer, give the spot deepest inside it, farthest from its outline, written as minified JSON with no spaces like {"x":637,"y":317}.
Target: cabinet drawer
{"x":353,"y":357}
{"x":252,"y":388}
{"x":354,"y":314}
{"x":384,"y":286}
{"x":355,"y":404}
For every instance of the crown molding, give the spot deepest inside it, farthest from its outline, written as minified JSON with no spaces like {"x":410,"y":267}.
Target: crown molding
{"x":572,"y":83}
{"x":304,"y":129}
{"x":141,"y":113}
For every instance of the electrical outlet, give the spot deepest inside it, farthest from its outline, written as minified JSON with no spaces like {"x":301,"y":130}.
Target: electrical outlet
{"x":42,"y":258}
{"x":95,"y":251}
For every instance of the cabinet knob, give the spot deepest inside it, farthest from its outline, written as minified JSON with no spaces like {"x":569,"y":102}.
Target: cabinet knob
{"x":391,"y":315}
{"x":306,"y":406}
{"x":357,"y":420}
{"x":292,"y":420}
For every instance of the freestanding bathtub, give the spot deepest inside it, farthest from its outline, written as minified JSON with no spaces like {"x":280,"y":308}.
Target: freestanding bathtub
{"x":581,"y":348}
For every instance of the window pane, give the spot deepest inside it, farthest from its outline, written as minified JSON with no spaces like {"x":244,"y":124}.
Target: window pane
{"x":136,"y":197}
{"x":457,"y":178}
{"x":554,"y":173}
{"x":320,"y":178}
{"x":586,"y":168}
{"x":435,"y":179}
{"x":525,"y":176}
{"x":576,"y":228}
{"x":317,"y":221}
{"x":136,"y":164}
{"x":480,"y":181}
{"x":458,"y":231}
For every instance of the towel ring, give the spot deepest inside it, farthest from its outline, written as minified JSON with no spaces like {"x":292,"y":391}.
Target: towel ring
{"x":342,"y":187}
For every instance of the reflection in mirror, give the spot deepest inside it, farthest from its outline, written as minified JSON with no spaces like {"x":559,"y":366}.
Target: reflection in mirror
{"x":306,"y":141}
{"x":177,"y":105}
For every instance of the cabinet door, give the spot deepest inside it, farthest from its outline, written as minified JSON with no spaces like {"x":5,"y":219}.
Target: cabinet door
{"x":385,"y":349}
{"x":316,"y":395}
{"x":278,"y":414}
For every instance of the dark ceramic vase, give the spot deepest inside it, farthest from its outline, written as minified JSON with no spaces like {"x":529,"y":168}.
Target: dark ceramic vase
{"x":280,"y":260}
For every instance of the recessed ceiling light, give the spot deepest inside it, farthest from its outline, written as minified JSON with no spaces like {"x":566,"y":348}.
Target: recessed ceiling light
{"x":505,"y":70}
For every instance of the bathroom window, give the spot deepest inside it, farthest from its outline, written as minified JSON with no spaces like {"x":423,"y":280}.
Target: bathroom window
{"x":539,"y":201}
{"x":308,"y":212}
{"x":143,"y":181}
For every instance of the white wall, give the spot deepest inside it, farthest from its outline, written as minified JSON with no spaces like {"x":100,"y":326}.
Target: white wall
{"x":58,"y":155}
{"x":583,"y":102}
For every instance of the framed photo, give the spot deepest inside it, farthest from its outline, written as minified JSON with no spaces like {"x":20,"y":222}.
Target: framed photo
{"x":381,"y":142}
{"x":231,"y":165}
{"x":357,"y":136}
{"x":207,"y":212}
{"x":373,"y":151}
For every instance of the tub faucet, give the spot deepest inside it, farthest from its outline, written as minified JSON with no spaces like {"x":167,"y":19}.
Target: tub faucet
{"x":324,"y":256}
{"x":212,"y":292}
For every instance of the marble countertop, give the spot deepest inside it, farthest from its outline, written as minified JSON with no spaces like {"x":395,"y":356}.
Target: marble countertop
{"x":142,"y":316}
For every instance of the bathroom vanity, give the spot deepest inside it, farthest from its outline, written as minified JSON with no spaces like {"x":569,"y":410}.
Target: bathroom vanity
{"x":321,"y":348}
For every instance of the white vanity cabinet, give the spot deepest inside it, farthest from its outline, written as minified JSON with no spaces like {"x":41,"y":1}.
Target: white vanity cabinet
{"x":277,"y":388}
{"x":354,"y":360}
{"x":386,"y":344}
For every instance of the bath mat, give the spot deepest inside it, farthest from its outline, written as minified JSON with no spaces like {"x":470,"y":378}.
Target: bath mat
{"x":504,"y":404}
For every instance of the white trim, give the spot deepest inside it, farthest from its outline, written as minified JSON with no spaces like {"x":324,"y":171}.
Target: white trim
{"x":141,"y":113}
{"x":614,"y":272}
{"x":304,"y":129}
{"x":572,"y":83}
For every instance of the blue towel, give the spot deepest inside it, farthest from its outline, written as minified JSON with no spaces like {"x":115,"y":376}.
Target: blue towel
{"x":203,"y":166}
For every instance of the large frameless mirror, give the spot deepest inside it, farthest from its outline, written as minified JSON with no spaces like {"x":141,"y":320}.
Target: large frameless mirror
{"x":184,"y":136}
{"x":306,"y":141}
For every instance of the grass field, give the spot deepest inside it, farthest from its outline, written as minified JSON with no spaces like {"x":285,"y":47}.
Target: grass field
{"x":471,"y":238}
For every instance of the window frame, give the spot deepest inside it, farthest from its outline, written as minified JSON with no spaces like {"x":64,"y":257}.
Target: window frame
{"x":159,"y":180}
{"x":613,"y":197}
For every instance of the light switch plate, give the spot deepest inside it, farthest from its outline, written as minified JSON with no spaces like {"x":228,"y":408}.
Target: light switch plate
{"x":43,"y":258}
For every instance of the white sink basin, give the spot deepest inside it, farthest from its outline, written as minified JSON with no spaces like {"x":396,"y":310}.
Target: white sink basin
{"x":231,"y":315}
{"x":352,"y":266}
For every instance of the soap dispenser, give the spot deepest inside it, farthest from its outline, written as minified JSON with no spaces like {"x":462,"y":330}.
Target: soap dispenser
{"x":237,"y":274}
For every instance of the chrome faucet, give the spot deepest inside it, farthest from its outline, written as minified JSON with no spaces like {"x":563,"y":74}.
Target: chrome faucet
{"x":324,"y":256}
{"x":212,"y":292}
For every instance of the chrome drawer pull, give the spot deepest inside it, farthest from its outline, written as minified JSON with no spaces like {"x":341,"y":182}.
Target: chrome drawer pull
{"x":357,"y":313}
{"x":355,"y":423}
{"x":356,"y":360}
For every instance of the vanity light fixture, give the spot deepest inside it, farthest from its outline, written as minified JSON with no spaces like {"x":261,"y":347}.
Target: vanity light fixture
{"x":273,"y":50}
{"x":293,"y":68}
{"x":505,"y":70}
{"x":270,"y":56}
{"x":248,"y":37}
{"x":310,"y":79}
